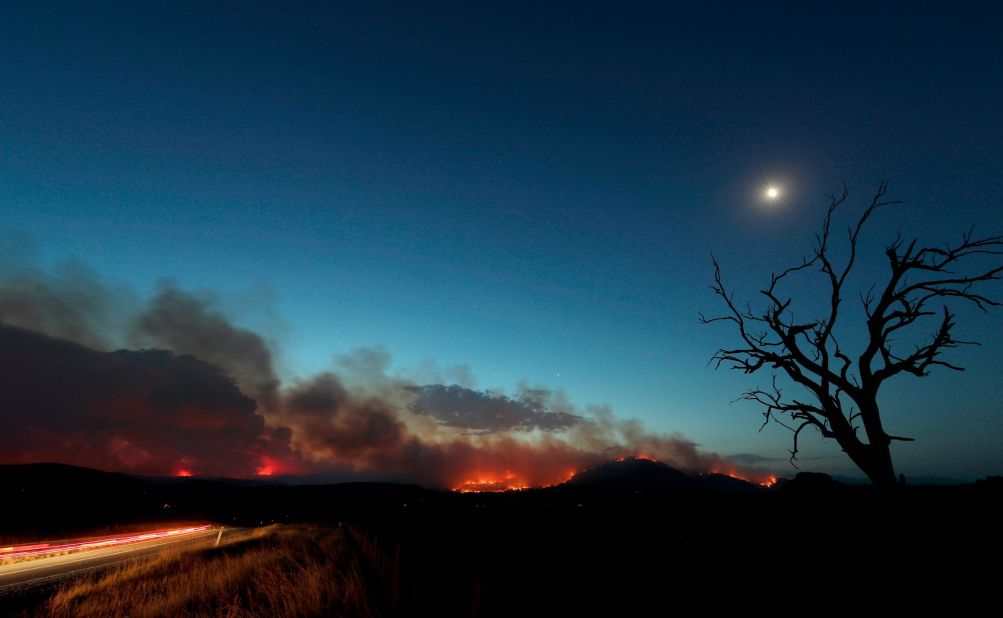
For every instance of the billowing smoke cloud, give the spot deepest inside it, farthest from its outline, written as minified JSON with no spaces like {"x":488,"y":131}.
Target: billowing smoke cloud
{"x":336,"y":428}
{"x":70,"y":302}
{"x":149,"y":411}
{"x":179,"y":321}
{"x":455,"y":406}
{"x":202,"y":396}
{"x":751,"y":459}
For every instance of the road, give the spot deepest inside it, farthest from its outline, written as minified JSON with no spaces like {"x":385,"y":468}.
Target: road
{"x":89,"y":556}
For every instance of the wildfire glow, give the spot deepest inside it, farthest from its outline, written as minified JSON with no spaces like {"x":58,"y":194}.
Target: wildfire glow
{"x":765,"y":481}
{"x":183,"y":472}
{"x":510,"y":481}
{"x":488,"y":483}
{"x":638,"y":456}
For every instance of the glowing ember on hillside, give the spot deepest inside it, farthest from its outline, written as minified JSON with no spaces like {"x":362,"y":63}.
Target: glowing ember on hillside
{"x":638,"y":456}
{"x":485,"y":482}
{"x":481,"y":486}
{"x":765,"y":481}
{"x":508,"y":482}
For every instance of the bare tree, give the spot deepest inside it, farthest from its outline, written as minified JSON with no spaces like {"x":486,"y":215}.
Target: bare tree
{"x":923,"y":283}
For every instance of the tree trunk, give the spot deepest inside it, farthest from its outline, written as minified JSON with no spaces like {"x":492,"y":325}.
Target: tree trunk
{"x":875,"y":460}
{"x":875,"y":457}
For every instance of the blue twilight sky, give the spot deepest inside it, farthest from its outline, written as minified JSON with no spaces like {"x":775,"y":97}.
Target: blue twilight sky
{"x":532,"y":189}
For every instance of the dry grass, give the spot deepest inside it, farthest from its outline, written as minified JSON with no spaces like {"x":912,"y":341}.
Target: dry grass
{"x":276,"y":571}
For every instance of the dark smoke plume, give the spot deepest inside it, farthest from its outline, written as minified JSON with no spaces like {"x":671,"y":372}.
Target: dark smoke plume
{"x":150,"y":411}
{"x":455,"y":406}
{"x":203,"y":397}
{"x":177,"y":320}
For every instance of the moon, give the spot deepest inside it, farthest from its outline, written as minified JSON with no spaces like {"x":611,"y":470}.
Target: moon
{"x":772,"y":193}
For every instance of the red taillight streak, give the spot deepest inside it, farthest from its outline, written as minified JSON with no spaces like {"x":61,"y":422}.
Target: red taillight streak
{"x":27,"y":551}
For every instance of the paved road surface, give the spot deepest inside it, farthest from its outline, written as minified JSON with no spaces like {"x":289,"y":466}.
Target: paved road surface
{"x":26,"y":575}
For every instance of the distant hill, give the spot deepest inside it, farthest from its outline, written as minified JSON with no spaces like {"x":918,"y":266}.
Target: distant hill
{"x":635,"y":474}
{"x":724,"y":484}
{"x":48,"y":499}
{"x":20,"y":478}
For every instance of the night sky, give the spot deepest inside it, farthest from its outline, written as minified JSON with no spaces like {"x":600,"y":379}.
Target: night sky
{"x":512,"y":193}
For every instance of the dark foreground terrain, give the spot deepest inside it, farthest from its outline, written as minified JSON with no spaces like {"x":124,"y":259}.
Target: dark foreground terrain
{"x":636,"y":538}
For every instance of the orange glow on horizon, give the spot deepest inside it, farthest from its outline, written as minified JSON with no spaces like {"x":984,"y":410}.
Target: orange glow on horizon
{"x":637,"y":456}
{"x":510,"y":481}
{"x":486,"y":482}
{"x":183,"y":472}
{"x":267,"y":466}
{"x":490,"y":483}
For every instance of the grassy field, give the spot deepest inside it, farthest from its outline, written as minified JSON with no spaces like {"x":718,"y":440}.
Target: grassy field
{"x":275,"y":571}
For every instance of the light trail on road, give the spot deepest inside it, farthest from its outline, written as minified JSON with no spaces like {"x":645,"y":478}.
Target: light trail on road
{"x":75,"y":545}
{"x":60,"y":560}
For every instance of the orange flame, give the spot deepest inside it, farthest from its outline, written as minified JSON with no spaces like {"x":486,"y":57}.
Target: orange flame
{"x":489,"y":483}
{"x":267,"y":467}
{"x":510,"y":481}
{"x":496,"y":481}
{"x":637,"y":456}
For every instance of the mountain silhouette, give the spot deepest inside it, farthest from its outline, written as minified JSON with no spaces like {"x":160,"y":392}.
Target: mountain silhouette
{"x":724,"y":484}
{"x":637,"y":474}
{"x":633,"y":474}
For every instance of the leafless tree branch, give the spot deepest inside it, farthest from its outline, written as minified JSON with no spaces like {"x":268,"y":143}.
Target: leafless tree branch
{"x":809,"y":354}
